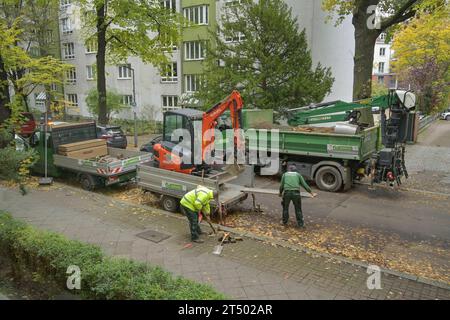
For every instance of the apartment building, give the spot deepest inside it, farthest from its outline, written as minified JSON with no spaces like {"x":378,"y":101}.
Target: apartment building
{"x":383,"y":57}
{"x":156,"y":92}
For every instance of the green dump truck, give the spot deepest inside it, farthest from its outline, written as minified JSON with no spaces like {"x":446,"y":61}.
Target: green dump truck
{"x":331,"y":160}
{"x":120,"y":166}
{"x":338,"y":155}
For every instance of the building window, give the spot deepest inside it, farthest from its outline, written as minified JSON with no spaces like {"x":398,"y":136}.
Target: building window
{"x":383,"y":36}
{"x":72,"y":98}
{"x":229,"y":3}
{"x":39,"y":104}
{"x":125,"y":71}
{"x":91,"y":46}
{"x":382,"y":52}
{"x":170,"y":74}
{"x":238,"y":37}
{"x":90,"y":72}
{"x":68,"y":50}
{"x":197,"y":15}
{"x":64,"y":3}
{"x":381,"y":79}
{"x":127,"y":99}
{"x":71,"y":76}
{"x":169,"y":4}
{"x":169,"y":103}
{"x":53,"y":87}
{"x":66,"y":26}
{"x":191,"y":82}
{"x":381,"y":67}
{"x":194,"y":50}
{"x":35,"y":51}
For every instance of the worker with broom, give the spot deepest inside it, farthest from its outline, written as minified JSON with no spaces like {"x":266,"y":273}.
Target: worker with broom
{"x":290,"y":191}
{"x":194,"y":204}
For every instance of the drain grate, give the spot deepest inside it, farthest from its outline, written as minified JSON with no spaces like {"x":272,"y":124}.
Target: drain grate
{"x":154,"y":236}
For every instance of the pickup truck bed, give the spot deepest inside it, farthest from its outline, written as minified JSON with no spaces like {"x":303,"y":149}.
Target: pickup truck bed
{"x":129,"y":161}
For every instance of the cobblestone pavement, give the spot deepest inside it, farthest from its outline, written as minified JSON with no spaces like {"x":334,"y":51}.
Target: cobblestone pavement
{"x":246,"y":270}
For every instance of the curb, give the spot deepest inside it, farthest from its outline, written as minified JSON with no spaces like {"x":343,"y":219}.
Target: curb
{"x":280,"y":243}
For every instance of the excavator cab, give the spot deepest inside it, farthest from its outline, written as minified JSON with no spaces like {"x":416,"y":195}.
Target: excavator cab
{"x":182,"y":129}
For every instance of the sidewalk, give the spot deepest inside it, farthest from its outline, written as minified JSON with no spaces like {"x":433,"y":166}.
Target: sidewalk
{"x":246,"y":270}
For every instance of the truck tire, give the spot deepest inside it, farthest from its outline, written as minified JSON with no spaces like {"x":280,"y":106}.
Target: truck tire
{"x":87,"y":182}
{"x":328,"y":179}
{"x":170,"y":204}
{"x":447,"y":118}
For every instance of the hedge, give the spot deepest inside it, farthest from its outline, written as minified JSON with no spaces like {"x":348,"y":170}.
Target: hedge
{"x":47,"y":255}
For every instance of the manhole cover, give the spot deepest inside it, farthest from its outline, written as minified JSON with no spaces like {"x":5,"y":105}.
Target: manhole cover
{"x":153,"y":236}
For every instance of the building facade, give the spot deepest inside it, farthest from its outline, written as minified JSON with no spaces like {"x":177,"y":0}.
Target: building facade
{"x":383,"y":57}
{"x":156,"y":92}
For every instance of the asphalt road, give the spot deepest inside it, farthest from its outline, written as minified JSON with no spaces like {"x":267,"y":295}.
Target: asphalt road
{"x":438,"y":135}
{"x":408,"y":212}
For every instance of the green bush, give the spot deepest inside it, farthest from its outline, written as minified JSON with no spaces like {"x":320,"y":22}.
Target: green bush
{"x":48,"y":255}
{"x":142,"y":126}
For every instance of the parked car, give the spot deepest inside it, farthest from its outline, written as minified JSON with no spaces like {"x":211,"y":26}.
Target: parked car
{"x":114,"y":136}
{"x":446,"y":115}
{"x":28,"y":126}
{"x":148,"y":147}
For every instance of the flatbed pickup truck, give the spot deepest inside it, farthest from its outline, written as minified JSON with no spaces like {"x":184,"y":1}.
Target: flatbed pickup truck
{"x":91,"y":173}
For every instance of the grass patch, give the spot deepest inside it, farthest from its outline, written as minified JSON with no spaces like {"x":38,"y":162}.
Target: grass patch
{"x":45,"y":256}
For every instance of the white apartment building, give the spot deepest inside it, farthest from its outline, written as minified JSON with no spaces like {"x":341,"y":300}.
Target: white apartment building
{"x":383,"y":56}
{"x":155,"y":93}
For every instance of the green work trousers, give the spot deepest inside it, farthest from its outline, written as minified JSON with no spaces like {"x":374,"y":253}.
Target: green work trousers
{"x":194,"y":226}
{"x":295,"y":197}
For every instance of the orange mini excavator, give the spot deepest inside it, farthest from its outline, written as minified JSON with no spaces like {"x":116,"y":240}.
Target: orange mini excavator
{"x":174,"y":153}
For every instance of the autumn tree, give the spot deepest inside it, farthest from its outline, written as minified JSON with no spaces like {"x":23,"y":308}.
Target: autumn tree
{"x":370,"y":18}
{"x":260,"y":49}
{"x":123,"y":28}
{"x":37,"y":21}
{"x":422,"y":51}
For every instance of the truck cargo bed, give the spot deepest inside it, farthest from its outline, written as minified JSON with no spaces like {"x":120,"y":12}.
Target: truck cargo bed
{"x":325,"y":145}
{"x":127,"y":161}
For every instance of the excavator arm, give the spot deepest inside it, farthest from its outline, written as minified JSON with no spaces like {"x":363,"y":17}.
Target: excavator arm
{"x":234,"y":104}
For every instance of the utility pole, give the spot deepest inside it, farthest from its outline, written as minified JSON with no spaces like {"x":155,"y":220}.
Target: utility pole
{"x":133,"y":104}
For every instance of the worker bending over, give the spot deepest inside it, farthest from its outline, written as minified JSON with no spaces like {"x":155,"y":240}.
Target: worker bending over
{"x":193,"y":204}
{"x":290,"y":191}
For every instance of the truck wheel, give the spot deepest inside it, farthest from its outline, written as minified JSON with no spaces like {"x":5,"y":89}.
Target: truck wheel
{"x":447,"y":118}
{"x":87,"y":182}
{"x":329,"y":179}
{"x":170,"y":204}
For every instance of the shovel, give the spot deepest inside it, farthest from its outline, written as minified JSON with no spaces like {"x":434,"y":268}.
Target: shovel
{"x":218,"y":249}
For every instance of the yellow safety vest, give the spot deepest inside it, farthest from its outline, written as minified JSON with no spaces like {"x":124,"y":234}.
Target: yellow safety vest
{"x":198,"y":200}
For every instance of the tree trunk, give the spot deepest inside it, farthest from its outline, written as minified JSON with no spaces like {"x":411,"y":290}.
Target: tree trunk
{"x":365,"y":39}
{"x":101,"y":61}
{"x":5,"y":112}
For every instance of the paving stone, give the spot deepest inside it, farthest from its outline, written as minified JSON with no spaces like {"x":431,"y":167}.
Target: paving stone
{"x":247,"y":270}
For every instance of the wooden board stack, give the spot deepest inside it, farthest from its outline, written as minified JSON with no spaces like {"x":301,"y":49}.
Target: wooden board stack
{"x":84,"y":150}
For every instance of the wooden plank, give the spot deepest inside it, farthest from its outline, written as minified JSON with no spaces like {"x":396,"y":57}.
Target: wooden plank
{"x":271,"y":192}
{"x":87,"y":153}
{"x":82,"y":145}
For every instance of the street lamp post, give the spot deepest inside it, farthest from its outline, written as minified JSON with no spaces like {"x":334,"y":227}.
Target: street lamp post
{"x":133,"y":104}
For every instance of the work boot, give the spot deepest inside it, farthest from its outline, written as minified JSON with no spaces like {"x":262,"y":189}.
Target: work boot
{"x":198,"y":241}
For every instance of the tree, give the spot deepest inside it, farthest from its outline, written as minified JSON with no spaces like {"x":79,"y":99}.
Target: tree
{"x":260,"y":48}
{"x":37,"y":21}
{"x":422,"y":51}
{"x":370,"y":18}
{"x":113,"y":100}
{"x":123,"y":28}
{"x":41,"y":71}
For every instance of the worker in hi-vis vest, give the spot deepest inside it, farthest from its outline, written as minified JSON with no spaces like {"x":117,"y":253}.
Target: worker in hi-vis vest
{"x":194,"y":204}
{"x":290,"y":191}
